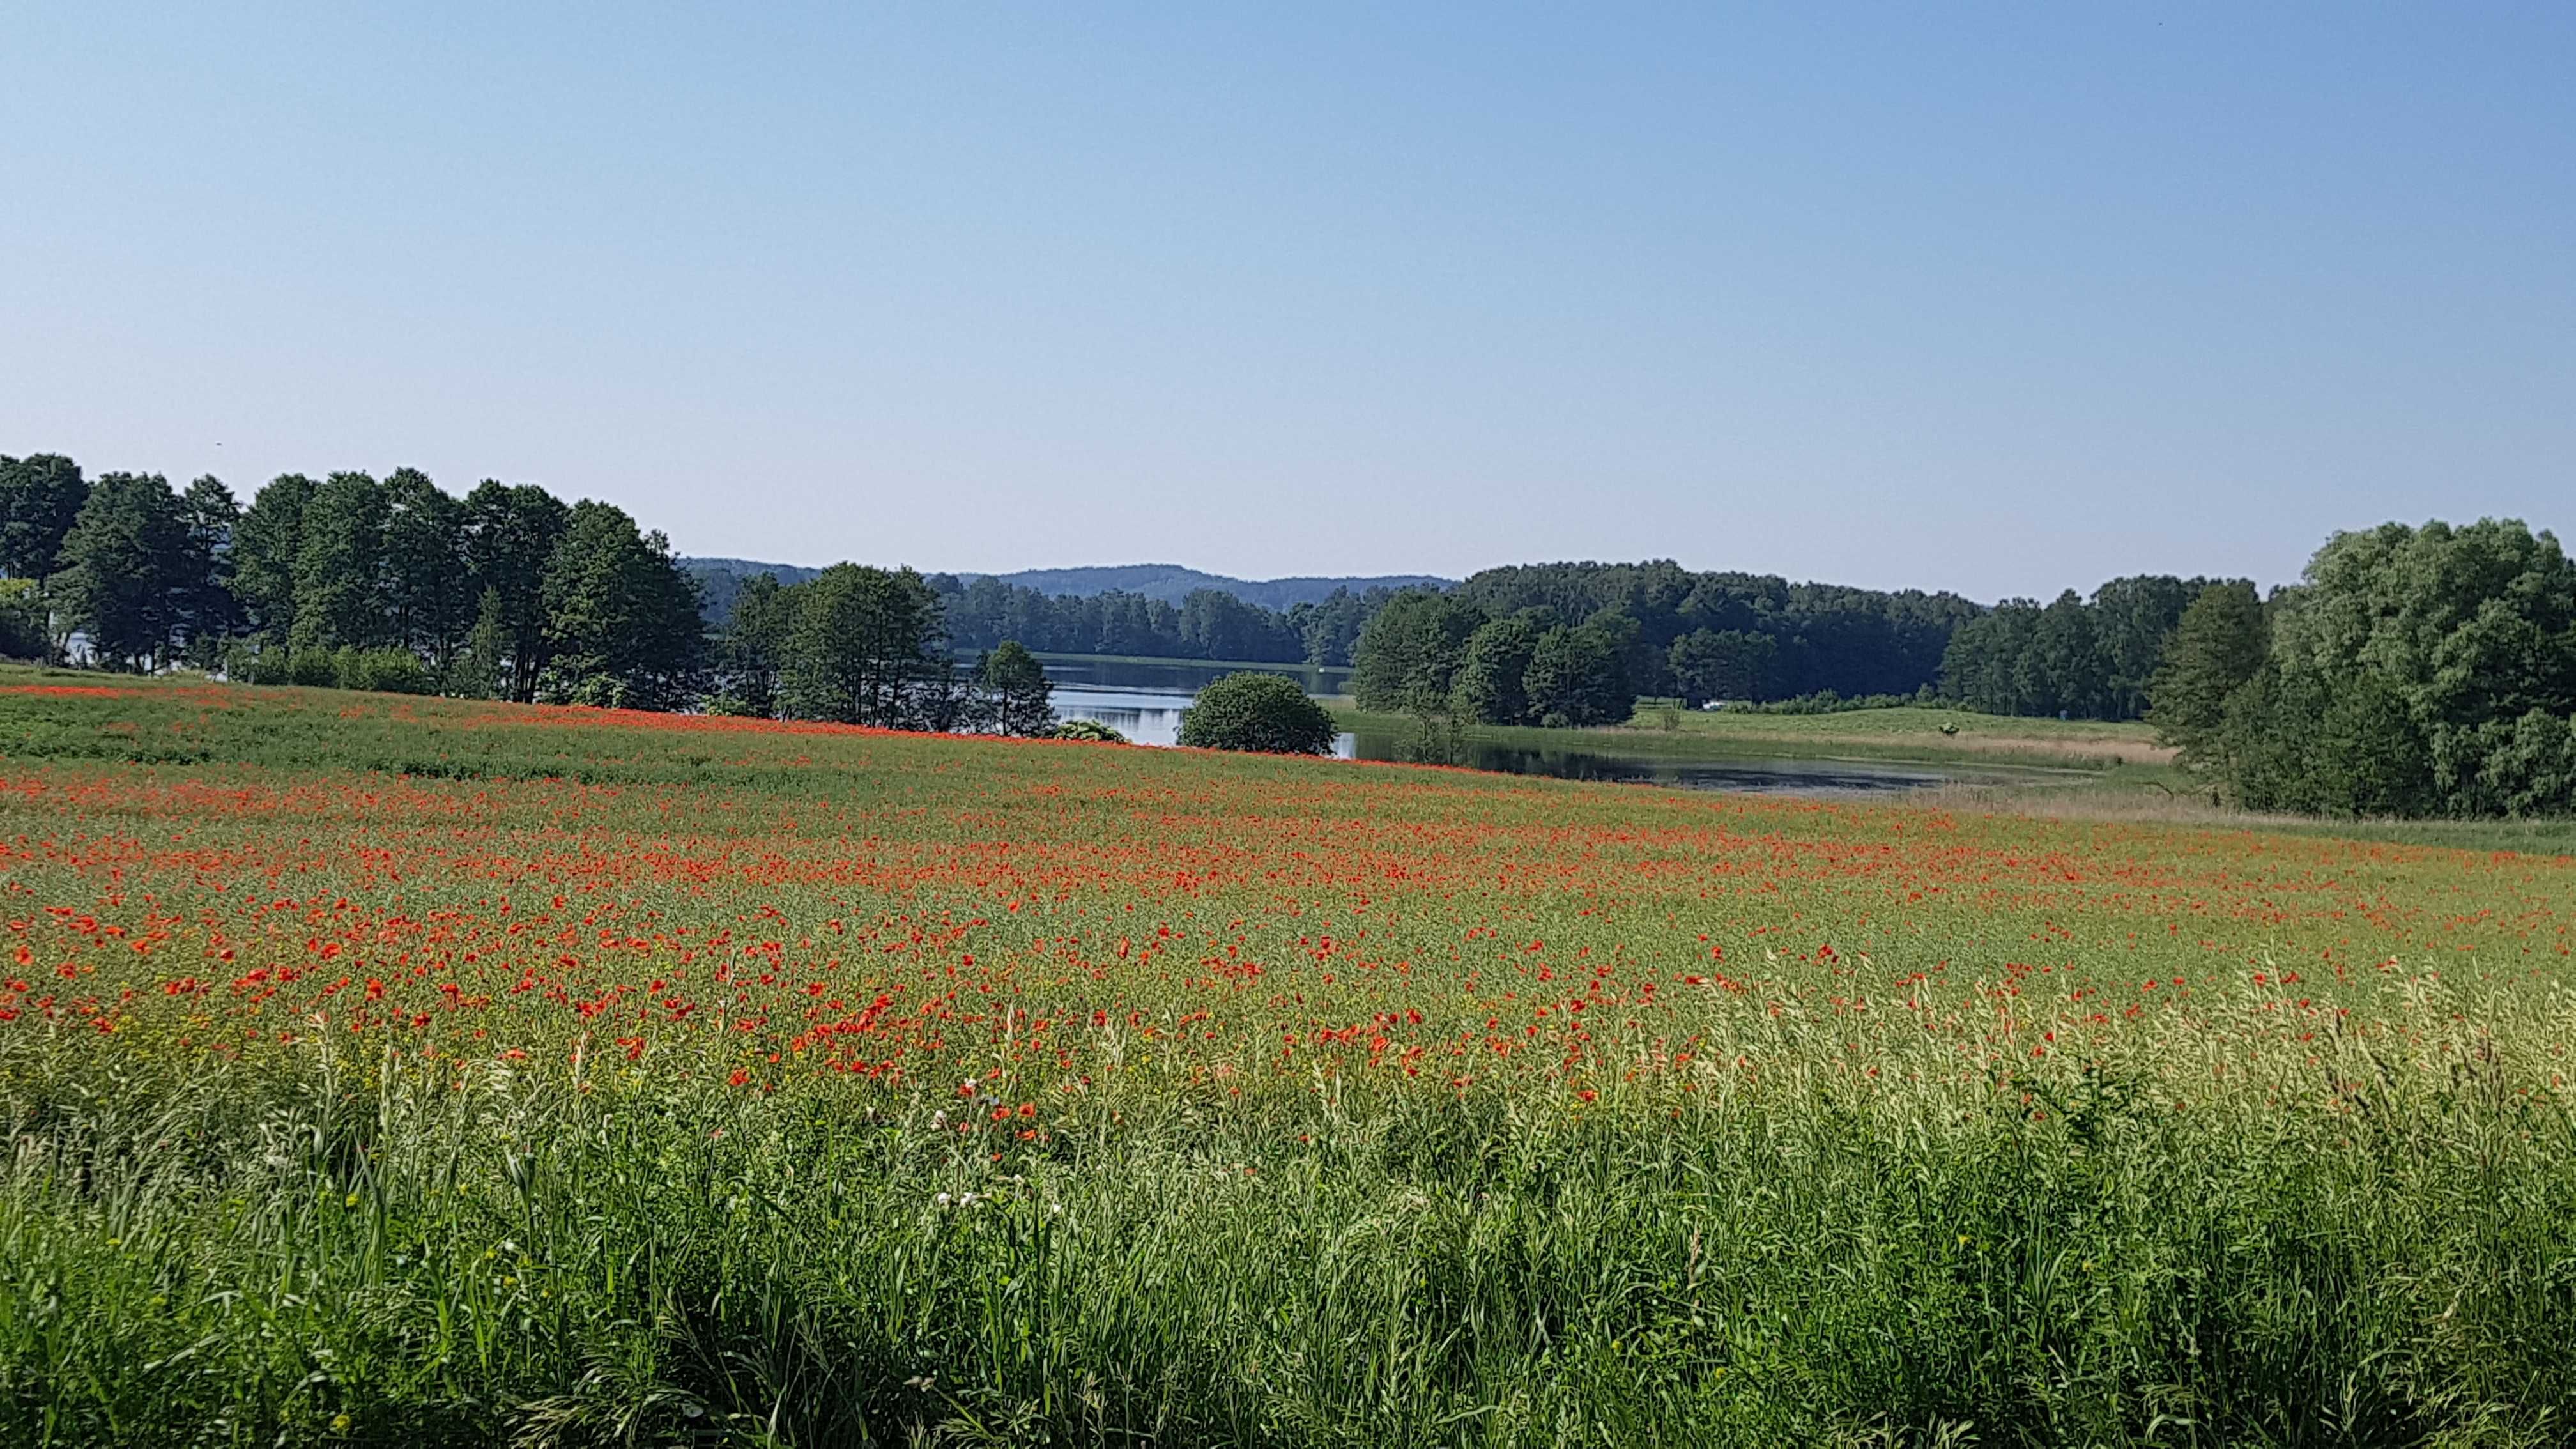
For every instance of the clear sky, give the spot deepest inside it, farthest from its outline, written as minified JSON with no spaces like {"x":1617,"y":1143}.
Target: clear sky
{"x":1999,"y":298}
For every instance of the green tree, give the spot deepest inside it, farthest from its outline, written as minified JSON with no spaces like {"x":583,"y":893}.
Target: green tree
{"x":1578,"y":677}
{"x":1017,"y":699}
{"x":861,"y":648}
{"x":40,"y":499}
{"x":2298,"y":740}
{"x":2471,"y":627}
{"x":755,"y":644}
{"x":622,"y":619}
{"x":207,"y":609}
{"x":1330,"y":629}
{"x":126,"y":566}
{"x":429,"y":590}
{"x":2132,"y":619}
{"x":265,"y":546}
{"x":1217,"y":625}
{"x":1262,"y":713}
{"x":2062,"y":671}
{"x":25,"y":621}
{"x":510,"y":534}
{"x":340,"y":594}
{"x":2414,"y":671}
{"x":2219,"y":645}
{"x":1982,"y":667}
{"x":1488,"y":686}
{"x":476,"y":671}
{"x":1407,"y":657}
{"x":1727,"y":664}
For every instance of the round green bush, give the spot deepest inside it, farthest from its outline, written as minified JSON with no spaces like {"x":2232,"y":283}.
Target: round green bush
{"x":1089,"y":729}
{"x":1266,"y":713}
{"x":385,"y":671}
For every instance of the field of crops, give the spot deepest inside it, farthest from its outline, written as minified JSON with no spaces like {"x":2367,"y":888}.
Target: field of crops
{"x":389,"y":1070}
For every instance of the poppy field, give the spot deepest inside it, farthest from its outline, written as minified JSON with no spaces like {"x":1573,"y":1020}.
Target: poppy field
{"x":383,"y":1070}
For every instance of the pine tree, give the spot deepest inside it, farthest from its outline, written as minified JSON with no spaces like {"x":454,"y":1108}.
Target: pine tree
{"x":2220,"y":644}
{"x":125,"y":570}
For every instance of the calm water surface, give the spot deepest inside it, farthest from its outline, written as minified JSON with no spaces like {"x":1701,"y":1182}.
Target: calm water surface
{"x":1144,"y":704}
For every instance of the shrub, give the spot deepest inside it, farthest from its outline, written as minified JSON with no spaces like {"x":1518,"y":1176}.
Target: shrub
{"x":1089,"y":729}
{"x":385,"y":671}
{"x":1264,"y":713}
{"x":314,"y":668}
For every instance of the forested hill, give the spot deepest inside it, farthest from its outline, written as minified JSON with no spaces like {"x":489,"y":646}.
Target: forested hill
{"x":1160,"y":583}
{"x":1172,"y":583}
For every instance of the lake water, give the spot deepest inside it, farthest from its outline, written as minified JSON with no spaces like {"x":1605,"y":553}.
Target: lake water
{"x":1144,"y":703}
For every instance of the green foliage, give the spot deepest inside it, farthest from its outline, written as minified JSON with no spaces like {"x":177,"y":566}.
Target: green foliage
{"x":2132,"y":618}
{"x":1490,"y":684}
{"x":1016,"y":698}
{"x":1825,"y":636}
{"x":2241,"y":1208}
{"x":863,"y":649}
{"x":1331,"y":630}
{"x":1264,"y":713}
{"x":312,"y":668}
{"x":2415,"y":672}
{"x":621,"y":617}
{"x":755,"y":643}
{"x":1206,"y":624}
{"x":340,"y":595}
{"x":2087,"y":660}
{"x":1578,"y":677}
{"x":208,"y":614}
{"x":509,"y":536}
{"x":131,"y":569}
{"x":40,"y":499}
{"x":429,"y":593}
{"x":1735,"y":665}
{"x":25,"y":621}
{"x":476,"y":671}
{"x":2296,"y":740}
{"x":265,"y":545}
{"x":383,"y":671}
{"x":1407,"y":658}
{"x":1090,"y":730}
{"x":2218,"y":646}
{"x":1828,"y":702}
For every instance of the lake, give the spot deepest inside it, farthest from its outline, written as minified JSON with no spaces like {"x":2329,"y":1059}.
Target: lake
{"x":1143,"y":701}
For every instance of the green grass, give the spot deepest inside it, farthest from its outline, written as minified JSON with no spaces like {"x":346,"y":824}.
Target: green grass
{"x":424,"y":1072}
{"x":1894,"y":734}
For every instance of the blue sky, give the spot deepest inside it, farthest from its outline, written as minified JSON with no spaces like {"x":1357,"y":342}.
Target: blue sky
{"x":1993,"y":298}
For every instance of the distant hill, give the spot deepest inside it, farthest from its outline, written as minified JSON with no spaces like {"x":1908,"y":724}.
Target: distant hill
{"x":1168,"y":582}
{"x":1172,"y":583}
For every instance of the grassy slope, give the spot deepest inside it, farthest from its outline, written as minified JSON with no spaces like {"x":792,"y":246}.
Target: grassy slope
{"x":1891,"y":734}
{"x":1362,"y":1105}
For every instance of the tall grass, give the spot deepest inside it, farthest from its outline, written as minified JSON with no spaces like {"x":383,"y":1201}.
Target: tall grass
{"x":320,"y":1250}
{"x":1373,"y":1106}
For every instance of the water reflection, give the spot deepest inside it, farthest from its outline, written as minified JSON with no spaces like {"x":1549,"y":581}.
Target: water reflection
{"x":1147,"y":719}
{"x":1151,"y":716}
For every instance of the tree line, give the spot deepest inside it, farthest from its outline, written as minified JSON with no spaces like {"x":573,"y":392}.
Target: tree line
{"x":507,"y":592}
{"x":2412,"y":671}
{"x":1206,"y":624}
{"x":1577,"y":643}
{"x":2089,"y":659}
